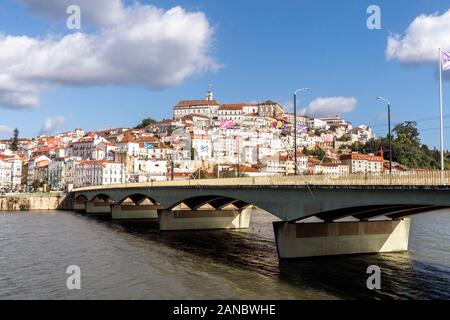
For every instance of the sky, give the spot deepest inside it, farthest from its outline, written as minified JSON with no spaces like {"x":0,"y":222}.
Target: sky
{"x":136,"y":59}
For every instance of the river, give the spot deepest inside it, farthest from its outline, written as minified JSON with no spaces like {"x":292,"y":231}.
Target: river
{"x":133,"y":260}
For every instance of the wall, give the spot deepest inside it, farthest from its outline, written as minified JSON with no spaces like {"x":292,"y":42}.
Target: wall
{"x":34,"y":202}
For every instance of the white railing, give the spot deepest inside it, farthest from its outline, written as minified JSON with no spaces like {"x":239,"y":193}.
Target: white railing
{"x":416,"y":178}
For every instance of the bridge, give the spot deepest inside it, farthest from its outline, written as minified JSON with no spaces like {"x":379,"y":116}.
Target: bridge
{"x":318,"y":215}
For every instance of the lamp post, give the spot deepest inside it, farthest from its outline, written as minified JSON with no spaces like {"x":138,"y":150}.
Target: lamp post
{"x":389,"y":136}
{"x":295,"y":126}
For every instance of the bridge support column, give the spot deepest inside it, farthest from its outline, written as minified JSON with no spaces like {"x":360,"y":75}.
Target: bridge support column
{"x":172,"y":220}
{"x":98,"y":207}
{"x":135,"y":212}
{"x":301,"y":240}
{"x":79,"y":206}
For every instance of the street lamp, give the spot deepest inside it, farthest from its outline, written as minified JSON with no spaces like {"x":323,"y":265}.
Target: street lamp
{"x":295,"y":126}
{"x":389,"y":136}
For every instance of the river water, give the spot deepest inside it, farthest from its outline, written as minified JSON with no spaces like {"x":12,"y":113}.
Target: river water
{"x":133,"y":260}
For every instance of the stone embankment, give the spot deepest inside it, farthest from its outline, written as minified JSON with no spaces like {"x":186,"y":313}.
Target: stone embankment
{"x":32,"y":202}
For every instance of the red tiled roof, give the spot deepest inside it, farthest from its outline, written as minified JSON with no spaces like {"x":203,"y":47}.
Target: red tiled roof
{"x":190,"y":116}
{"x":232,"y":106}
{"x":359,"y":156}
{"x":332,"y":164}
{"x":188,"y":103}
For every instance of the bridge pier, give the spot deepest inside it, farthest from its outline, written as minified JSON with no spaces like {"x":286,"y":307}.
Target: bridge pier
{"x":120,"y":212}
{"x":301,"y":240}
{"x":172,"y":220}
{"x":98,"y":207}
{"x":79,"y":206}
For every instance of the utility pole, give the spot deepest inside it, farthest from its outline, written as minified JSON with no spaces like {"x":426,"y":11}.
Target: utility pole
{"x":389,"y":136}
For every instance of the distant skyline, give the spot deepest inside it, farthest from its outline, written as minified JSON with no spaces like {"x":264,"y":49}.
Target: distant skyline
{"x":132,"y":60}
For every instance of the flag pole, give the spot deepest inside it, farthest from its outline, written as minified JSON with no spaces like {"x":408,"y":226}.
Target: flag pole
{"x":441,"y":116}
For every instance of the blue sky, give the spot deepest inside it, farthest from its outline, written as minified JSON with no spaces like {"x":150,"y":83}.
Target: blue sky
{"x":264,"y":50}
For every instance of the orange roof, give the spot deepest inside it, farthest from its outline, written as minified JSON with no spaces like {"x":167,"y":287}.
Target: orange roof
{"x":127,"y":138}
{"x":234,"y":106}
{"x":313,"y":161}
{"x":332,"y":164}
{"x":359,"y":156}
{"x":190,"y":116}
{"x":97,"y":162}
{"x":188,"y":103}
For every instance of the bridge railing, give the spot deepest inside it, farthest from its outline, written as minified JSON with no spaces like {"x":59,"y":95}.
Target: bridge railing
{"x":416,"y":178}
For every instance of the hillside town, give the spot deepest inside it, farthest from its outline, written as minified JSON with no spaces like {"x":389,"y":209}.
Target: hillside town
{"x":205,"y":138}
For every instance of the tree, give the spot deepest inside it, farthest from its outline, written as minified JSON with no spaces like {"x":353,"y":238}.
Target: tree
{"x":15,"y":140}
{"x":317,"y":152}
{"x":36,"y":184}
{"x":357,"y":147}
{"x":200,"y":174}
{"x":343,"y":138}
{"x":406,"y":147}
{"x":407,"y":133}
{"x":232,"y":174}
{"x":146,"y":122}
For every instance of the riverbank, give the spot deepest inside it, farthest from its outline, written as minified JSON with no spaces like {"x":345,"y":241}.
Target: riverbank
{"x":38,"y":201}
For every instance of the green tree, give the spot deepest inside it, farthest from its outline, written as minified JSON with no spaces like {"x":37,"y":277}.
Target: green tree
{"x":36,"y":184}
{"x":15,"y":140}
{"x":200,"y":174}
{"x":146,"y":122}
{"x":317,"y":152}
{"x":343,"y":138}
{"x":407,"y":133}
{"x":406,"y":147}
{"x":357,"y":147}
{"x":232,"y":174}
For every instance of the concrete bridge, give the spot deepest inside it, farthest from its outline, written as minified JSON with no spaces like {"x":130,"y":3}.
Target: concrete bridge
{"x":319,"y":215}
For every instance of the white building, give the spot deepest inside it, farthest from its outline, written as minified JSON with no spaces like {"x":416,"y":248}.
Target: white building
{"x":98,"y":172}
{"x":238,"y":113}
{"x":90,"y":148}
{"x":283,"y":165}
{"x":361,"y":163}
{"x":38,"y":169}
{"x":361,"y":134}
{"x":5,"y":174}
{"x":61,"y":173}
{"x":202,"y":146}
{"x":208,"y":107}
{"x":332,"y":169}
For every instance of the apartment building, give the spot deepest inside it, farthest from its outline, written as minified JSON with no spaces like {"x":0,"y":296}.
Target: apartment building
{"x":362,"y":163}
{"x":98,"y":172}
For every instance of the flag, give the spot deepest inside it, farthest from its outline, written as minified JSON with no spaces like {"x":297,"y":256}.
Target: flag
{"x":302,"y":129}
{"x":227,"y":124}
{"x":445,"y":61}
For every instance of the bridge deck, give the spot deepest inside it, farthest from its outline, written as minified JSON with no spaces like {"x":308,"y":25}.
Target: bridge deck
{"x":411,"y":180}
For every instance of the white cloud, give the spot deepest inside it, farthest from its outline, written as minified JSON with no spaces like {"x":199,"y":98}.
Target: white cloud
{"x":421,"y":40}
{"x":334,"y":106}
{"x":51,"y":124}
{"x":5,"y":129}
{"x":134,"y":45}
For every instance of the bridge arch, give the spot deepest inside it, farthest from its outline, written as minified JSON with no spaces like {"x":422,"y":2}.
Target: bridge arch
{"x":81,"y":198}
{"x":137,"y":199}
{"x":209,"y":202}
{"x":366,"y":213}
{"x":102,"y":197}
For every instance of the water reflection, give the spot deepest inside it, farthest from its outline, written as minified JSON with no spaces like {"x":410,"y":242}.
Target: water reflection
{"x":403,"y":277}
